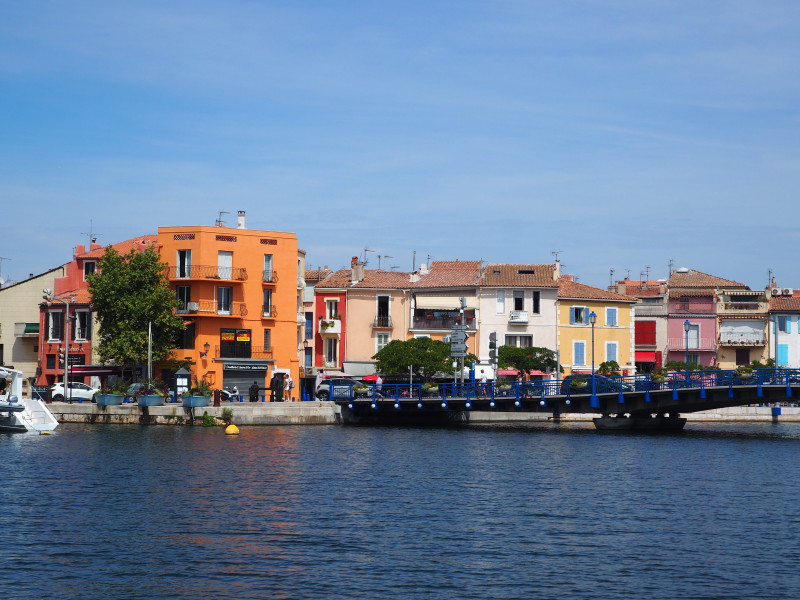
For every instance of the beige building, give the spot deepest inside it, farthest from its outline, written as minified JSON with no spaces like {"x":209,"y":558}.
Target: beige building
{"x":19,"y":323}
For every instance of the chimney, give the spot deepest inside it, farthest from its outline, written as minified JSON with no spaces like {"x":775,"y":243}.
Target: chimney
{"x":357,"y":272}
{"x":557,"y":270}
{"x":240,"y":220}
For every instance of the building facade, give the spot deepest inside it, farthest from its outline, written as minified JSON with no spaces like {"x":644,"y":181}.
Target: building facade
{"x":240,"y":294}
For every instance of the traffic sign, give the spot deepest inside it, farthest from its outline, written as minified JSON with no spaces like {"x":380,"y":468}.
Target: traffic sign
{"x":457,"y":347}
{"x":458,"y":337}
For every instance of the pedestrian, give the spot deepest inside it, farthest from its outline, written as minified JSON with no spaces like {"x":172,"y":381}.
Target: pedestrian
{"x":379,"y":385}
{"x":276,"y":388}
{"x":254,"y":392}
{"x":234,"y":394}
{"x":483,"y":383}
{"x":288,"y":384}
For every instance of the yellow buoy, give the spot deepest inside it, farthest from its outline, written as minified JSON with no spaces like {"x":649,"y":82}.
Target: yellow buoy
{"x":232,"y":430}
{"x":44,"y":433}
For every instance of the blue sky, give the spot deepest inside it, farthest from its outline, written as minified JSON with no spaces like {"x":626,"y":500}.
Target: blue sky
{"x":622,"y":134}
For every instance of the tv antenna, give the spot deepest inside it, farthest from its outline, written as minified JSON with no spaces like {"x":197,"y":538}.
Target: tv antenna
{"x":555,"y":254}
{"x":365,"y":255}
{"x":384,"y":256}
{"x":2,"y":281}
{"x":611,"y":276}
{"x":220,"y":222}
{"x":91,"y":235}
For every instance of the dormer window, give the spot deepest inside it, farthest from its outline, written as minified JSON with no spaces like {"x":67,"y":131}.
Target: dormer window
{"x":89,"y":268}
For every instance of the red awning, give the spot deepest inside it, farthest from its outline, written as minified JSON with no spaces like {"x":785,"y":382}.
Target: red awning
{"x":642,"y":356}
{"x":94,"y":370}
{"x":506,"y":372}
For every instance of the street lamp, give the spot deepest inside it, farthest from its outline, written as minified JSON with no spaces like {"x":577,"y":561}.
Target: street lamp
{"x":593,"y":401}
{"x":48,"y":296}
{"x":686,"y":326}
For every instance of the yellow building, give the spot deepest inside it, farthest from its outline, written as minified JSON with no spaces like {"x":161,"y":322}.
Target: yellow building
{"x":613,"y":329}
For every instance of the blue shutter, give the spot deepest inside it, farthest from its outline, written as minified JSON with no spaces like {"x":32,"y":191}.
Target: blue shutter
{"x":788,"y":324}
{"x":580,"y":353}
{"x":783,"y":355}
{"x":571,"y":315}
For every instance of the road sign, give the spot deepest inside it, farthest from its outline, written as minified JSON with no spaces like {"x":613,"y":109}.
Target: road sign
{"x":457,"y":347}
{"x":458,"y":337}
{"x":458,"y":354}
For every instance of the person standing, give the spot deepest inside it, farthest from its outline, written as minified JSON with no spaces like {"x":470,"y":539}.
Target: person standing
{"x":253,"y":391}
{"x":288,"y":384}
{"x":379,"y":386}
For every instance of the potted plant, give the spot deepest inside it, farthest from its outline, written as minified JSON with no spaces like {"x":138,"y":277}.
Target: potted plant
{"x":199,"y":394}
{"x":151,"y":393}
{"x":112,"y":394}
{"x":744,"y":372}
{"x":578,"y":382}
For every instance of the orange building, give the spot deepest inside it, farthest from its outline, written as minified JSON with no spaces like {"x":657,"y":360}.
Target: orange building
{"x":238,"y":293}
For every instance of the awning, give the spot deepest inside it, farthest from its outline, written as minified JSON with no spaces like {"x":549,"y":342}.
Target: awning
{"x":643,"y":356}
{"x":442,"y":302}
{"x":96,"y":370}
{"x":31,"y":327}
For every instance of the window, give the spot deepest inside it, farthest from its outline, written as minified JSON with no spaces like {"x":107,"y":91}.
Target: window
{"x":184,"y":263}
{"x":611,"y":317}
{"x":783,"y":326}
{"x":268,"y":274}
{"x":519,"y":300}
{"x":501,"y":302}
{"x":331,"y":352}
{"x":54,"y":325}
{"x":82,"y":326}
{"x":519,"y":341}
{"x":694,"y":358}
{"x":186,"y":337}
{"x":331,"y":308}
{"x":225,"y":264}
{"x":89,"y":268}
{"x":578,"y":315}
{"x":184,"y":293}
{"x":224,"y":300}
{"x":308,"y":356}
{"x":267,"y":339}
{"x":537,"y":301}
{"x":579,"y":353}
{"x":611,"y":351}
{"x":235,"y":343}
{"x":309,"y":325}
{"x":381,"y":340}
{"x":694,"y":337}
{"x":267,"y":303}
{"x":742,"y":356}
{"x":383,"y":319}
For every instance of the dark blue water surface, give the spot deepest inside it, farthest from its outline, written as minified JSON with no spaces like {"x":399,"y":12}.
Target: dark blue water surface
{"x":337,"y":512}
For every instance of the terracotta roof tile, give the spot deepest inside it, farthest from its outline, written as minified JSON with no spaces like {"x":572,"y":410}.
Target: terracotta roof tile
{"x":137,"y":243}
{"x":450,"y":274}
{"x":516,"y":275}
{"x":567,"y":288}
{"x":317,"y":274}
{"x":784,"y":304}
{"x":76,"y":297}
{"x":692,"y":279}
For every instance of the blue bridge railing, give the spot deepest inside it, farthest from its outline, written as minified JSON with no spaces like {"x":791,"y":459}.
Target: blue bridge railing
{"x":569,"y":386}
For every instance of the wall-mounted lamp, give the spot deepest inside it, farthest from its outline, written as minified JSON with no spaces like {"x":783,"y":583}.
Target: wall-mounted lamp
{"x":206,"y":348}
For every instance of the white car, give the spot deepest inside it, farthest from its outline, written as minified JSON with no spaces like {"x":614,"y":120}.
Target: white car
{"x":77,"y":391}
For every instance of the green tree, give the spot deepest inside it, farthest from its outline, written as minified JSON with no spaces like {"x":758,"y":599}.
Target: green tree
{"x":609,"y":367}
{"x":128,"y":292}
{"x":525,"y":359}
{"x":424,"y":355}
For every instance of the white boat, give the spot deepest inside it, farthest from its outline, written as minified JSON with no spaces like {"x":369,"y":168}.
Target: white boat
{"x":20,"y":415}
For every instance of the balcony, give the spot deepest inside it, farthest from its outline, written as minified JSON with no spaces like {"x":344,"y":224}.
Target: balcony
{"x":270,"y":276}
{"x":212,"y":307}
{"x":742,"y":308}
{"x":518,"y":317}
{"x":207,"y":272}
{"x":29,"y":330}
{"x":651,"y":310}
{"x":382,"y":322}
{"x":742,"y":339}
{"x":440,"y":323}
{"x":330,"y":326}
{"x":268,"y":312}
{"x":676,"y":344}
{"x":691,"y":308}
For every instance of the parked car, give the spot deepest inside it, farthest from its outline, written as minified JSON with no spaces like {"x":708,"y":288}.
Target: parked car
{"x":342,"y":387}
{"x":602,"y":384}
{"x":76,"y":391}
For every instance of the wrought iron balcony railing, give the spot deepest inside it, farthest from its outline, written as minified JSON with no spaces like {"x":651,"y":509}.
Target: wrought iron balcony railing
{"x":207,"y":272}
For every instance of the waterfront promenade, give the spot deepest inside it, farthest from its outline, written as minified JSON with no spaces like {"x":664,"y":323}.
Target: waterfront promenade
{"x":327,"y":413}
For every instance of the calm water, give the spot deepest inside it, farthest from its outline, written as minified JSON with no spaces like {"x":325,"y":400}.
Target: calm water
{"x":334,"y":512}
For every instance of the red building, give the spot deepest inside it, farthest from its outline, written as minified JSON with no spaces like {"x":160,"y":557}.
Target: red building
{"x":72,"y":334}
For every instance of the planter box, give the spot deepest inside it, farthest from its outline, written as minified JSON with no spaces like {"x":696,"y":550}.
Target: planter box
{"x":109,"y":399}
{"x":150,"y":400}
{"x":196,"y":401}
